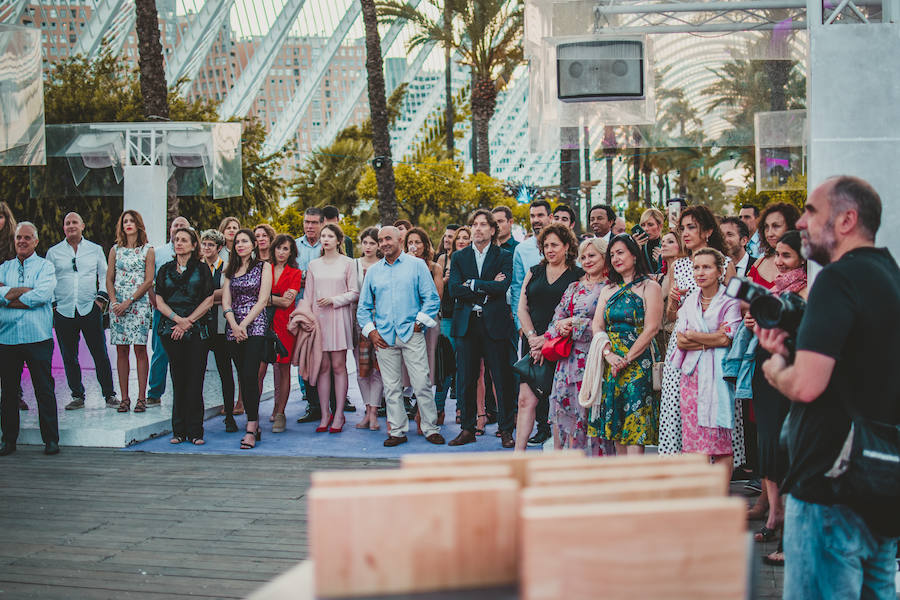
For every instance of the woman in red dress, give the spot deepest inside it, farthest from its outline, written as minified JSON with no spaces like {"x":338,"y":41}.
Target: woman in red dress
{"x":286,"y":280}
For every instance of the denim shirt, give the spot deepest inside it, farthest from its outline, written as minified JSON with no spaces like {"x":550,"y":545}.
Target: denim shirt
{"x":395,"y":297}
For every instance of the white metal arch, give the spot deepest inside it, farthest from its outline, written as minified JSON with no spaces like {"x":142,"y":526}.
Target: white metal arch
{"x":188,"y":57}
{"x":345,"y":110}
{"x":289,"y":120}
{"x":459,"y":76}
{"x":239,"y":99}
{"x":111,"y":22}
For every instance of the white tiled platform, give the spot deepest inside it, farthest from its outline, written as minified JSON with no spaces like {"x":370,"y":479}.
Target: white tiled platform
{"x":98,"y":426}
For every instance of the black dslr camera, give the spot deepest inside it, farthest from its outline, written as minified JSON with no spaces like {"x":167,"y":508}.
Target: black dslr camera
{"x":784,"y":311}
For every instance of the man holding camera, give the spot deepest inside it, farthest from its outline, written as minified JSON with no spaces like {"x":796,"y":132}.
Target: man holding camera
{"x":841,"y":526}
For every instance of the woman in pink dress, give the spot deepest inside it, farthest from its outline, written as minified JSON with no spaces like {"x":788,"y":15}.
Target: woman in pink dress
{"x":331,"y":290}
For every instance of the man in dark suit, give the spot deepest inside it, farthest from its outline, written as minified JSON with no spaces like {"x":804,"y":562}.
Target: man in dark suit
{"x":737,"y":236}
{"x":483,"y":324}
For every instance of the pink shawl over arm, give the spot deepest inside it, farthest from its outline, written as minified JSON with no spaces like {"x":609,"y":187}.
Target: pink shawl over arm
{"x":308,"y":347}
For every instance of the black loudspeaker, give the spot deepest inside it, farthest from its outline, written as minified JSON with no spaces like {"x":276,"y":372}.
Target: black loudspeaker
{"x":600,"y":70}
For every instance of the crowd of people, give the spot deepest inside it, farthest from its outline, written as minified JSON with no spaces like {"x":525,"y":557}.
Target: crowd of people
{"x":608,"y":344}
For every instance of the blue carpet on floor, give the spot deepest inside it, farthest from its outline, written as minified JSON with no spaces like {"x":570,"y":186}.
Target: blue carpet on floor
{"x":302,"y":440}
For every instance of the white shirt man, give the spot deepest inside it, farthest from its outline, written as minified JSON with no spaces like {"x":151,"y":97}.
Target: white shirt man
{"x":80,"y":269}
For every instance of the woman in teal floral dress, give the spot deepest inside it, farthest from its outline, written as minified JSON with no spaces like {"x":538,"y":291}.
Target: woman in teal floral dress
{"x":629,"y":310}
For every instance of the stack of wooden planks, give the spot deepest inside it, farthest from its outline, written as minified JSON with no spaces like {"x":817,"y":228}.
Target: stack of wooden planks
{"x":554,"y":525}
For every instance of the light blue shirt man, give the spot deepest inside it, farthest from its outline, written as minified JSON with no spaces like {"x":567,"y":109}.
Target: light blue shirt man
{"x":305,"y":253}
{"x":34,"y":323}
{"x":525,"y":256}
{"x":753,"y":246}
{"x":163,"y":254}
{"x":395,"y":297}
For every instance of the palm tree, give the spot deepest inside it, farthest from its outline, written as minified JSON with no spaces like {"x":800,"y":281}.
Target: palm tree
{"x":610,"y":149}
{"x":154,"y":94}
{"x":745,"y":87}
{"x":677,"y":111}
{"x":381,"y":138}
{"x":492,"y":46}
{"x":431,"y":31}
{"x":150,"y":61}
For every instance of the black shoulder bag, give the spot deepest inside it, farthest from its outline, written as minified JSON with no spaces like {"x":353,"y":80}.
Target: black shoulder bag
{"x":866,"y":474}
{"x":273,"y":346}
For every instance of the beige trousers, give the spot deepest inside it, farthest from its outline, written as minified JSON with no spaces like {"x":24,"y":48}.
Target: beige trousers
{"x":414,"y":356}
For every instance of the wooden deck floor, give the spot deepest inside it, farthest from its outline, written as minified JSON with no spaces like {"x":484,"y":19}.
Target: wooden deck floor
{"x":97,"y":523}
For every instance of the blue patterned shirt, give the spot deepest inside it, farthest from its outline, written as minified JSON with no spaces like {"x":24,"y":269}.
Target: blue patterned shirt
{"x":525,"y":256}
{"x":396,"y":296}
{"x":35,"y":323}
{"x":305,"y":253}
{"x":163,"y":255}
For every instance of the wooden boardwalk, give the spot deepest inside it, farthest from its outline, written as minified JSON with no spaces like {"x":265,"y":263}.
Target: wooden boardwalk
{"x":97,"y":523}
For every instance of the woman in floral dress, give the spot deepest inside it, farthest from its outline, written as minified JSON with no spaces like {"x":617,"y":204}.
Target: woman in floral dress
{"x":129,"y":276}
{"x":629,"y":310}
{"x":573,"y":317}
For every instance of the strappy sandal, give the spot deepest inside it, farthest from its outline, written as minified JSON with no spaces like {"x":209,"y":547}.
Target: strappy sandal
{"x":764,"y":534}
{"x":477,"y":430}
{"x":140,"y":405}
{"x":196,"y":441}
{"x":257,"y":435}
{"x":124,"y":405}
{"x":177,"y":439}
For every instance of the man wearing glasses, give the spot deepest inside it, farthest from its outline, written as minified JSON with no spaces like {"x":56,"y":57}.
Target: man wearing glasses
{"x":78,"y":308}
{"x":26,"y":337}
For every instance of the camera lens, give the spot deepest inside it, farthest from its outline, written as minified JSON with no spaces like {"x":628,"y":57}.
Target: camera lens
{"x":767,"y":311}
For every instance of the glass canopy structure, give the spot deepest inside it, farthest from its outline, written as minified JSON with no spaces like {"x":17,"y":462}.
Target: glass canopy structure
{"x":299,"y":66}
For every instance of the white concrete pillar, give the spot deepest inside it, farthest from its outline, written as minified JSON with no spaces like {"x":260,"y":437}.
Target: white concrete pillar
{"x":146,"y":192}
{"x":854,"y":111}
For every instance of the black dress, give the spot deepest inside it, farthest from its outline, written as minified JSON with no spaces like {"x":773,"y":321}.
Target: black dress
{"x":771,"y":409}
{"x":543,"y":296}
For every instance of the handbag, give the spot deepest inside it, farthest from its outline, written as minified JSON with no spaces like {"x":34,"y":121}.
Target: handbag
{"x":557,"y":348}
{"x":273,"y":349}
{"x":444,"y":358}
{"x":560,"y":347}
{"x":539,"y":377}
{"x":368,"y":362}
{"x":656,"y":368}
{"x":866,"y":473}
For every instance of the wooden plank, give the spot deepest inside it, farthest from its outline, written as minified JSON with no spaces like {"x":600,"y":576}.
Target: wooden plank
{"x":517,"y":460}
{"x":684,"y":548}
{"x":391,"y":539}
{"x":626,"y":472}
{"x":322,"y":479}
{"x":589,"y":462}
{"x":696,"y":486}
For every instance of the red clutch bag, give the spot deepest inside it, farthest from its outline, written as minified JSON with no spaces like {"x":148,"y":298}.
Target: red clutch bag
{"x":557,"y":348}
